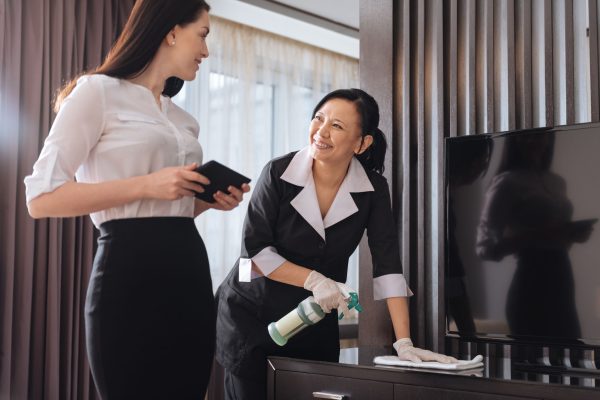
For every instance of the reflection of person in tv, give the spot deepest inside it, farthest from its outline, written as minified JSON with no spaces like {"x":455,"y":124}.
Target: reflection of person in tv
{"x":527,"y":214}
{"x":472,"y":163}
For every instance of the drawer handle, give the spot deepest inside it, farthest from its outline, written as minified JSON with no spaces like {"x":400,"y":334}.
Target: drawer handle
{"x":330,"y":396}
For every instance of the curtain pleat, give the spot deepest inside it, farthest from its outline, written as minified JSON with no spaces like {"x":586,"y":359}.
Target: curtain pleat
{"x":44,"y":264}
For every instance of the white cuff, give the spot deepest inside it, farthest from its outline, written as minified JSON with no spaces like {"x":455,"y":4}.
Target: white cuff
{"x":267,"y":261}
{"x":390,"y":285}
{"x":46,"y":178}
{"x":34,"y":189}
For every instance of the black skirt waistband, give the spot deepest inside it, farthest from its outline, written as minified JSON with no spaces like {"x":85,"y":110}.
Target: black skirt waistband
{"x":164,"y":226}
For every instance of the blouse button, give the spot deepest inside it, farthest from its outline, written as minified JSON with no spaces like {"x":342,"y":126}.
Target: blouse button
{"x":321,"y":246}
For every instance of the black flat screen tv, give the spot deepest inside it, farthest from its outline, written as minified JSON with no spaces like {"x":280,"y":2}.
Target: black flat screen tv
{"x":522,"y":242}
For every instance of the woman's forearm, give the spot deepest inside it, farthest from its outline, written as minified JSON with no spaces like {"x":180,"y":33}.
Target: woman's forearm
{"x":398,"y":308}
{"x":290,"y":273}
{"x":200,"y":206}
{"x":74,"y":199}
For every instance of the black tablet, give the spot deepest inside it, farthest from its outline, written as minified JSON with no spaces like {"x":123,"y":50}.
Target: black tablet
{"x":221,"y":177}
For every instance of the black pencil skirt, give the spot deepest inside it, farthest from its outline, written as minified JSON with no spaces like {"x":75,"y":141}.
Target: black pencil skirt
{"x":150,"y":311}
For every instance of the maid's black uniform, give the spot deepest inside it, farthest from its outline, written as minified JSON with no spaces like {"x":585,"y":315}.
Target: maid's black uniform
{"x":284,"y":223}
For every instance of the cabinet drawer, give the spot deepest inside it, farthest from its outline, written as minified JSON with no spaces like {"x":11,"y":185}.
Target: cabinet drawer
{"x":456,"y":395}
{"x":403,"y":392}
{"x":300,"y":386}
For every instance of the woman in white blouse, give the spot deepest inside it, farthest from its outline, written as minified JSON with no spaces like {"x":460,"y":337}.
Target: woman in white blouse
{"x":150,"y":317}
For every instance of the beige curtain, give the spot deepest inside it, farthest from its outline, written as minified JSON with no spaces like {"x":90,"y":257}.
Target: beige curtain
{"x":45,"y":264}
{"x":253,"y":97}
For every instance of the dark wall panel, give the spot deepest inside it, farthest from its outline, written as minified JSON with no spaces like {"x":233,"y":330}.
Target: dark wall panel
{"x":462,"y":67}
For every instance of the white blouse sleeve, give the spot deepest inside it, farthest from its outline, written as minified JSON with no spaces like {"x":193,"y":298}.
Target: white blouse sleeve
{"x":75,"y":131}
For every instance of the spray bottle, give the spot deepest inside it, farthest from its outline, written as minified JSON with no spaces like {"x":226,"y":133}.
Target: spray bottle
{"x":307,"y":313}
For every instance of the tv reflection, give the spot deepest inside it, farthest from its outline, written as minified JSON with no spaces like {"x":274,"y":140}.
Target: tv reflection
{"x":527,"y":214}
{"x":464,"y":170}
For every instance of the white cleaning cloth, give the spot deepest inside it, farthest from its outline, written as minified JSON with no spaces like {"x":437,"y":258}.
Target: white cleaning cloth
{"x":457,"y":366}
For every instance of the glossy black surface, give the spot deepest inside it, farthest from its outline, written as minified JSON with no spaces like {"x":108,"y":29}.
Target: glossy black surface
{"x":522,"y":244}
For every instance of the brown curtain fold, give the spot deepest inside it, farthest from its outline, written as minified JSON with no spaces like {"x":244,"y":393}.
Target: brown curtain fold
{"x":44,"y":264}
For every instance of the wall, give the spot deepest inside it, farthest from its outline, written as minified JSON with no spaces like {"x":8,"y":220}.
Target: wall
{"x":459,"y":67}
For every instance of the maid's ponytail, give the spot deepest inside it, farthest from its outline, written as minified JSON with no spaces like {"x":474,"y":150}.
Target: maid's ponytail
{"x":374,"y":157}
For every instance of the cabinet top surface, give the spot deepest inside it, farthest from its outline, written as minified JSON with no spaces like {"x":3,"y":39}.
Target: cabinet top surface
{"x":546,"y":370}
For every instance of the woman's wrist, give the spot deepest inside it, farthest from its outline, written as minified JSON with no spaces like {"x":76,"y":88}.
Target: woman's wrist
{"x":200,"y":206}
{"x":139,"y":187}
{"x":402,"y":342}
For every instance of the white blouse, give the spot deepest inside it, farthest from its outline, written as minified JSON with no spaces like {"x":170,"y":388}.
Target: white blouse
{"x":109,"y":129}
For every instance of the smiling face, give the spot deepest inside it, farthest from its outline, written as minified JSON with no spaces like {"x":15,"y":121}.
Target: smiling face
{"x":188,"y":47}
{"x":335,"y":132}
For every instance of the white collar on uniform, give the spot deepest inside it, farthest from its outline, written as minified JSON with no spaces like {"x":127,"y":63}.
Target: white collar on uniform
{"x":299,"y":173}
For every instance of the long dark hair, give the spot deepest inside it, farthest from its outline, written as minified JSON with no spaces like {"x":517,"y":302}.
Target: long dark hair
{"x":372,"y":158}
{"x":148,"y":24}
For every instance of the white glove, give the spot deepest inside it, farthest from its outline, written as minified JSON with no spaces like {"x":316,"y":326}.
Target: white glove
{"x":407,"y":352}
{"x":326,"y":292}
{"x":343,"y":307}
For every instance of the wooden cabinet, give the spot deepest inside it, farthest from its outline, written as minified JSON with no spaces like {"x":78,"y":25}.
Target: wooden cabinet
{"x":301,"y":386}
{"x":404,"y":392}
{"x":292,"y":379}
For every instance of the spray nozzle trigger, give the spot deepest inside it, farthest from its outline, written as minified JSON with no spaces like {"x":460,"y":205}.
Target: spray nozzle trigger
{"x":352,"y":303}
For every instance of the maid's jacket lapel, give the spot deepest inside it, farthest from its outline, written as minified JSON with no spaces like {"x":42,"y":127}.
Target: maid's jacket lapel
{"x":299,"y":173}
{"x":343,"y":205}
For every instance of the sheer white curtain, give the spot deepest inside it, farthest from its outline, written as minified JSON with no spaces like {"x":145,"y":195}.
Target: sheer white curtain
{"x":253,"y":98}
